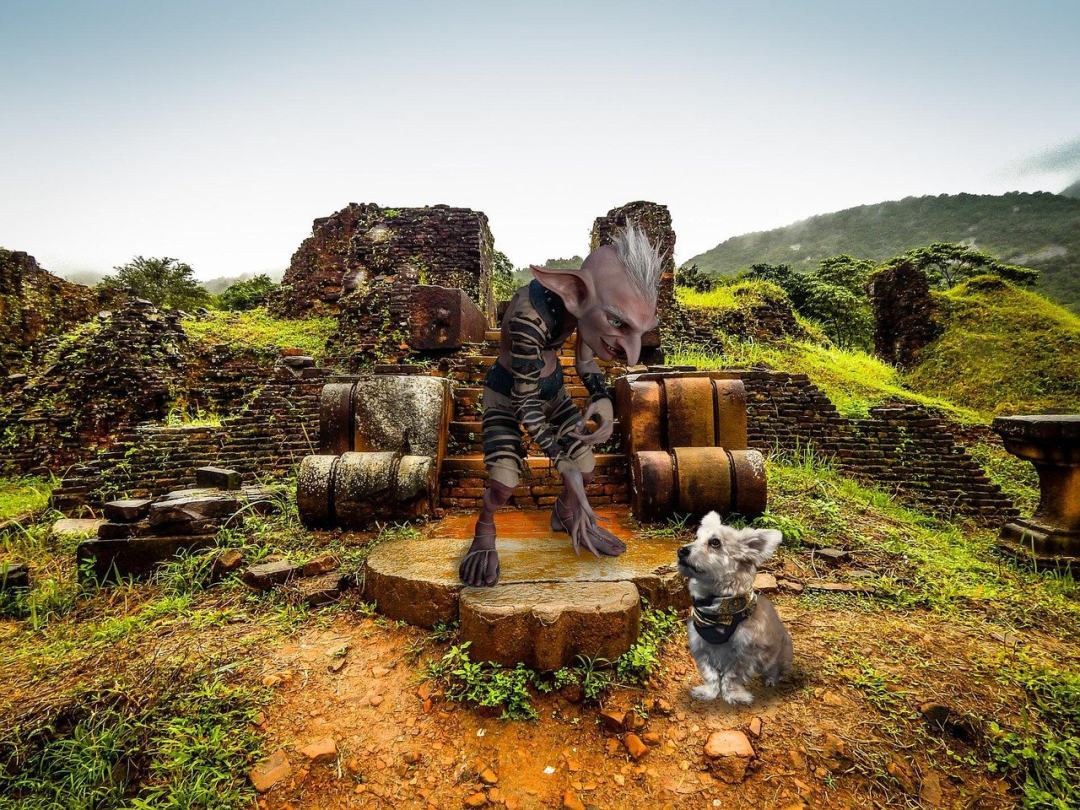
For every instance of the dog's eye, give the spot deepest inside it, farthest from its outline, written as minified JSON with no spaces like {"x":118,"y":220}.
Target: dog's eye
{"x":714,"y":542}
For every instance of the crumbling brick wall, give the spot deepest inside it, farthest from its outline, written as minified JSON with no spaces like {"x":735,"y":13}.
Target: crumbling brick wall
{"x":35,"y":304}
{"x":905,"y":314}
{"x":365,"y":245}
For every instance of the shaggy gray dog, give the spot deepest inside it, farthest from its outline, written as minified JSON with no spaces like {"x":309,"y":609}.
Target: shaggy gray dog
{"x":735,"y":634}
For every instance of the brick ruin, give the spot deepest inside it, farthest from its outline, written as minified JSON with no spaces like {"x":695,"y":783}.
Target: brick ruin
{"x":905,"y":314}
{"x":364,"y":245}
{"x":34,"y":305}
{"x":386,"y":273}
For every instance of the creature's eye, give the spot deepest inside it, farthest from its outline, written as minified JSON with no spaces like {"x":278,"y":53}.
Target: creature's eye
{"x":714,"y":542}
{"x":616,"y":322}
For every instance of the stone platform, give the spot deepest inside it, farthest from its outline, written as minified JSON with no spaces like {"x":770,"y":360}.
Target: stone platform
{"x":549,"y":605}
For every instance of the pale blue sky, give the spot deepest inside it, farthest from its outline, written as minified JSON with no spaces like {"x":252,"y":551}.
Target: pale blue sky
{"x":216,"y":131}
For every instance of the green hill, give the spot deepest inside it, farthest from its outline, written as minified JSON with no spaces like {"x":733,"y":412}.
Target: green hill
{"x":1039,"y":230}
{"x":1072,"y":191}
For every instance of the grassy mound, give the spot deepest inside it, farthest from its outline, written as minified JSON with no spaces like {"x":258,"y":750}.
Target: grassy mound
{"x":1004,"y":350}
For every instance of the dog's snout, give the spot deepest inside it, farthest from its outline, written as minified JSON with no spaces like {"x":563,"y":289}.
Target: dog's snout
{"x":684,"y":552}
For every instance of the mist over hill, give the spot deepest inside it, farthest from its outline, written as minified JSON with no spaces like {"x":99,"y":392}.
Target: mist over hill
{"x":1039,"y":230}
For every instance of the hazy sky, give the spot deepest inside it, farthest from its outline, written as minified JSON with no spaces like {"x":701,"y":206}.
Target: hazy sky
{"x":216,"y":131}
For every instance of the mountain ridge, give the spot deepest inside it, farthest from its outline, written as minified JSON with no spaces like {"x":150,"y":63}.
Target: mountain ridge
{"x":1037,"y":229}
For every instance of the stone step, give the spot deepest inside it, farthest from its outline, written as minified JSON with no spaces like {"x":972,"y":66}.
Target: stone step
{"x":546,"y":625}
{"x":416,"y":579}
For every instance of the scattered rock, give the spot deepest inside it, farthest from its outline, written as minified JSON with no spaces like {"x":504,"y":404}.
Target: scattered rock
{"x":765,"y":582}
{"x":632,"y":721}
{"x":650,"y":738}
{"x":324,"y":750}
{"x":797,"y":759}
{"x":322,"y":564}
{"x":834,"y":746}
{"x":935,"y":713}
{"x":791,"y":585}
{"x":729,"y":753}
{"x":14,"y":576}
{"x":270,"y":771}
{"x":217,"y":478}
{"x":833,"y":556}
{"x":755,"y":727}
{"x":264,"y":576}
{"x":227,"y":561}
{"x":376,"y":700}
{"x":612,"y":720}
{"x":902,"y":774}
{"x":930,"y":790}
{"x":488,"y":776}
{"x":412,"y":756}
{"x":128,"y":510}
{"x":76,"y":527}
{"x":476,"y":800}
{"x":320,"y":590}
{"x":570,"y":801}
{"x":830,"y":698}
{"x":634,"y":746}
{"x":664,"y":707}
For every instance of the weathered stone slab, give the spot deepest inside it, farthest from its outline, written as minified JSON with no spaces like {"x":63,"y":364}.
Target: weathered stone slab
{"x":443,"y":318}
{"x":416,"y":579}
{"x":264,"y":576}
{"x":319,"y":590}
{"x":218,"y":477}
{"x":546,"y":624}
{"x":76,"y":527}
{"x":14,"y":576}
{"x":408,"y":412}
{"x":192,"y":509}
{"x":112,"y":559}
{"x":111,"y":530}
{"x":125,"y":511}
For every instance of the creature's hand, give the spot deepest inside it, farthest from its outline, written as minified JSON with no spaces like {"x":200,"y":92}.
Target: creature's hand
{"x":604,"y":412}
{"x":581,"y":522}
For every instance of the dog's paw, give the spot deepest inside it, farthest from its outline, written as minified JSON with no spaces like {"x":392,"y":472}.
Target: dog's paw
{"x":738,"y":697}
{"x":704,"y":692}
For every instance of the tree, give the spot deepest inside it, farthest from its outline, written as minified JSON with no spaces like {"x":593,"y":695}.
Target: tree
{"x":502,"y":277}
{"x":165,"y":282}
{"x":793,"y":283}
{"x":947,"y":264}
{"x":846,"y":271}
{"x":247,"y":294}
{"x":693,"y":278}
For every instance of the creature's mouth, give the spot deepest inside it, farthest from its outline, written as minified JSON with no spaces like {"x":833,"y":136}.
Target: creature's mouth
{"x":610,"y":349}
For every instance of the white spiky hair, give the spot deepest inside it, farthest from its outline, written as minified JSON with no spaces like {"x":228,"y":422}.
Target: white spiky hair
{"x":641,"y":260}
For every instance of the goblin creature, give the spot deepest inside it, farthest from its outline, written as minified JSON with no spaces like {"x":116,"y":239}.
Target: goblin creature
{"x":611,"y":302}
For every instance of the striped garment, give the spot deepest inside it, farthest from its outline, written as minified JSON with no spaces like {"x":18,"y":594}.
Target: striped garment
{"x":535,"y":321}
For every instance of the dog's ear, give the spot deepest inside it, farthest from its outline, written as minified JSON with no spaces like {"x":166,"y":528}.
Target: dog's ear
{"x":711,"y":523}
{"x":757,"y":545}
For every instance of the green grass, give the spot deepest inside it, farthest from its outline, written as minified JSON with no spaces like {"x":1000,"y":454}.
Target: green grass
{"x":1004,"y":351}
{"x":24,"y":496}
{"x":742,"y":294}
{"x":853,"y":380}
{"x":258,"y":331}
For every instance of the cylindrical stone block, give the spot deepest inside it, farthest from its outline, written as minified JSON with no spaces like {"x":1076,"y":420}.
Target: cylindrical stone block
{"x":653,"y":484}
{"x":749,"y":482}
{"x":336,"y":418}
{"x":689,"y":416}
{"x":730,"y":414}
{"x":315,"y":490}
{"x":703,"y":480}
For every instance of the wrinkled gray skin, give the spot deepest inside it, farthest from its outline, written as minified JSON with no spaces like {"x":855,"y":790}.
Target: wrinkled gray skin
{"x":722,"y":561}
{"x":592,"y":295}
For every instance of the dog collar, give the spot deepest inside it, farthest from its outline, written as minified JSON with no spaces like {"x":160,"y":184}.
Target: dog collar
{"x":715,"y":618}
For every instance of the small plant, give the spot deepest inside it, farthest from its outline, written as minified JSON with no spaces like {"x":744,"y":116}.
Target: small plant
{"x":485,"y":684}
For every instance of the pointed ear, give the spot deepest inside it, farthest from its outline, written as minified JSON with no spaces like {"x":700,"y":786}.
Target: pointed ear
{"x":759,"y":544}
{"x":711,"y":523}
{"x":574,"y":287}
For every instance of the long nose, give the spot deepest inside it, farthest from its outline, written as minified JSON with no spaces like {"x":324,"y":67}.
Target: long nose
{"x":684,"y":552}
{"x":631,"y":346}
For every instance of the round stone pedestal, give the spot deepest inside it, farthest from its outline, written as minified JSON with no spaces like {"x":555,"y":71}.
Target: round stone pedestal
{"x":549,"y":605}
{"x":1050,"y":538}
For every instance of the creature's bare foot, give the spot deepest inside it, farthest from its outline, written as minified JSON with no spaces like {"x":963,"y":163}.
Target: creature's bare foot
{"x":589,"y":533}
{"x":480,"y":565}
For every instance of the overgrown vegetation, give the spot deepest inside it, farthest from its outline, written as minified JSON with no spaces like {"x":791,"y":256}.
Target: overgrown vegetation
{"x":258,"y":331}
{"x":26,"y":495}
{"x":508,"y":690}
{"x":247,"y":294}
{"x":165,"y":282}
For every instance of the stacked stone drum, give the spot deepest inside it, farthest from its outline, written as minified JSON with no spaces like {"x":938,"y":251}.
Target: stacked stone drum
{"x":685,"y":437}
